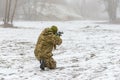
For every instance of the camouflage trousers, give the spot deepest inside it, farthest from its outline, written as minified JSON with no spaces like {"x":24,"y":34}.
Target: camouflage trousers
{"x":50,"y":63}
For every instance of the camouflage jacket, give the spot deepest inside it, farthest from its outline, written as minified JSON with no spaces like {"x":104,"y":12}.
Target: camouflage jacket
{"x":45,"y":44}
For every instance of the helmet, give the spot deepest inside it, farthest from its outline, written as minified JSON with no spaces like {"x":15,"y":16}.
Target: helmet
{"x":54,"y":29}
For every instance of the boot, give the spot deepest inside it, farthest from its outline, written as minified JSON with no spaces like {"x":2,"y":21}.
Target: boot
{"x":42,"y":64}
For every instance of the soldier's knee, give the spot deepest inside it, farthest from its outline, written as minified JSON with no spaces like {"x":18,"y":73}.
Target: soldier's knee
{"x":51,"y":64}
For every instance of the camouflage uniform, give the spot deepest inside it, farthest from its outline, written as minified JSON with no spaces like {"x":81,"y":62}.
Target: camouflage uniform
{"x":45,"y":44}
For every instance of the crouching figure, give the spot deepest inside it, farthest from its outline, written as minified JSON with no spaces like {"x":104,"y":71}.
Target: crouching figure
{"x":47,"y":41}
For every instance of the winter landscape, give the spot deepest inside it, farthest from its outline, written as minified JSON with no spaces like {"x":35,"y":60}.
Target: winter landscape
{"x":90,"y":51}
{"x":91,"y":41}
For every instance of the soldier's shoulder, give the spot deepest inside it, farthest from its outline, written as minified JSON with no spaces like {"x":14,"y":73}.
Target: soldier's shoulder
{"x":48,"y":30}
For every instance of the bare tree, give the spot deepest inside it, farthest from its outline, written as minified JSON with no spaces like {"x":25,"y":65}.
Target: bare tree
{"x":6,"y":11}
{"x":14,"y":11}
{"x":111,"y":7}
{"x":8,"y":16}
{"x":83,"y":8}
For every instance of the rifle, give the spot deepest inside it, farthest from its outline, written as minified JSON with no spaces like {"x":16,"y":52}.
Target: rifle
{"x":59,"y":33}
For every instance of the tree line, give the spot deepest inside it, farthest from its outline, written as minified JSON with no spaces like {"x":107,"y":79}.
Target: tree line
{"x":32,"y":9}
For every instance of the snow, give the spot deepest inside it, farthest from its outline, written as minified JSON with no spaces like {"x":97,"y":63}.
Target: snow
{"x":90,"y":51}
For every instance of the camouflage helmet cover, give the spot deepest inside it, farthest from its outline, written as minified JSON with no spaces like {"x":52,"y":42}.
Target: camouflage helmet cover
{"x":54,"y":29}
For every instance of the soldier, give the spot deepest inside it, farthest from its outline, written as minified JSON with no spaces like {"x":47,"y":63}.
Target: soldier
{"x":47,"y":41}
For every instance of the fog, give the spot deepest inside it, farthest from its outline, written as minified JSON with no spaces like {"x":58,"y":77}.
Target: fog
{"x":90,"y":47}
{"x":34,"y":10}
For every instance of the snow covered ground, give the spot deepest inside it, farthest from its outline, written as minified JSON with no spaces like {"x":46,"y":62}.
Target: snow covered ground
{"x":89,"y":51}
